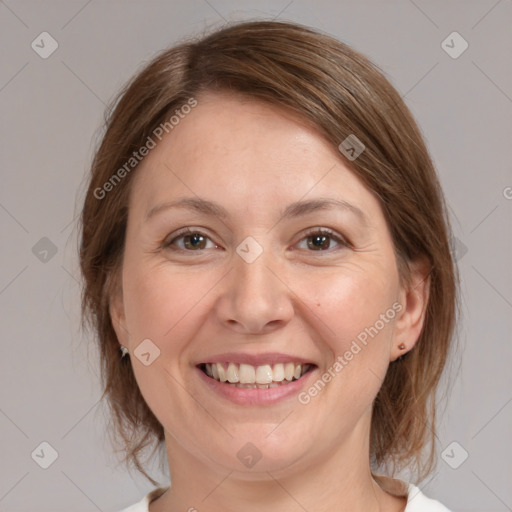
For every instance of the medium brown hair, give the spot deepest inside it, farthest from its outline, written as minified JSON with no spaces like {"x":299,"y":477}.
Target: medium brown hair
{"x":341,"y":93}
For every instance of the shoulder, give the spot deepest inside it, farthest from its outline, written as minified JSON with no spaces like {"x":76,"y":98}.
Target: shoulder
{"x":418,"y":502}
{"x":143,"y":504}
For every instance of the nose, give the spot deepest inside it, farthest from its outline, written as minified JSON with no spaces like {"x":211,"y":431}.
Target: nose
{"x":255,"y":298}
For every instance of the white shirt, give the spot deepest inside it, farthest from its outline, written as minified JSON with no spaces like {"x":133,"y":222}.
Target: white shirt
{"x":416,"y":500}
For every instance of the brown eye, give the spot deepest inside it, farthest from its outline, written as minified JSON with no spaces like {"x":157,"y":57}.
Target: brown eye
{"x":321,"y":241}
{"x":195,"y":241}
{"x":190,"y":241}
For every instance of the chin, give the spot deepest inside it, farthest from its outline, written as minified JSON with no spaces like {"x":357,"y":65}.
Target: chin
{"x":252,"y":455}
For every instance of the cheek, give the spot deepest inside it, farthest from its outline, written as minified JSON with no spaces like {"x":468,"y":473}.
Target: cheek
{"x":165,"y":308}
{"x":157,"y":301}
{"x":357,"y":345}
{"x":348,"y":304}
{"x":354,"y":320}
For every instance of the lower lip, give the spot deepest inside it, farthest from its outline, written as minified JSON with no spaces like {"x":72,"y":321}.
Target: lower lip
{"x":255,"y":396}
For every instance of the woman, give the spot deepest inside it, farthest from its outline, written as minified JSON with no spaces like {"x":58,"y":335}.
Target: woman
{"x":267,"y":267}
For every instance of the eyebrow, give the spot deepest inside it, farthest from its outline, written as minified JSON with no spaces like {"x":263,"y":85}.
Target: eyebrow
{"x":293,"y":210}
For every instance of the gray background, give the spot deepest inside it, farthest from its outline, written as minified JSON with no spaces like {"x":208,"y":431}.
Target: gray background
{"x":51,"y":110}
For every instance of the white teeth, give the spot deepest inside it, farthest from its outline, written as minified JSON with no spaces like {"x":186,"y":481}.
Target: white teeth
{"x":248,"y":376}
{"x":221,"y":371}
{"x":232,"y":373}
{"x":264,"y":374}
{"x":278,"y":372}
{"x":289,"y":371}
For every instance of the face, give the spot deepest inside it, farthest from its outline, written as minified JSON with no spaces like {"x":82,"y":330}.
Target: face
{"x":253,"y":253}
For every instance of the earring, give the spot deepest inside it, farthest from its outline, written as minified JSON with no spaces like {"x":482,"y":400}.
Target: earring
{"x":401,"y":346}
{"x":124,"y":351}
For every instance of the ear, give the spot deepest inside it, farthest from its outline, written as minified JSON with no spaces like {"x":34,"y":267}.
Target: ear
{"x":116,"y":310}
{"x":414,"y":299}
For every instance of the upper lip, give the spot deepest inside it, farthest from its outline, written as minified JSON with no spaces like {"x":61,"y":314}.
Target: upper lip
{"x":255,"y":359}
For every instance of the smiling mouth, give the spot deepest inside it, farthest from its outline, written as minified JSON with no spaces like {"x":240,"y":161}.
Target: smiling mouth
{"x":255,"y":377}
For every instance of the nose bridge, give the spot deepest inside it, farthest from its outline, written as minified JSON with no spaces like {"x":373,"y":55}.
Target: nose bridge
{"x":253,"y":276}
{"x":255,"y":299}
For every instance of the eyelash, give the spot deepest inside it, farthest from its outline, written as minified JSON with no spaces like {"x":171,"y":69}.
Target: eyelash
{"x":315,"y":231}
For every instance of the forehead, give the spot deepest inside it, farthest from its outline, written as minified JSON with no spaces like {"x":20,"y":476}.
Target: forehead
{"x":237,"y":127}
{"x":231,"y":145}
